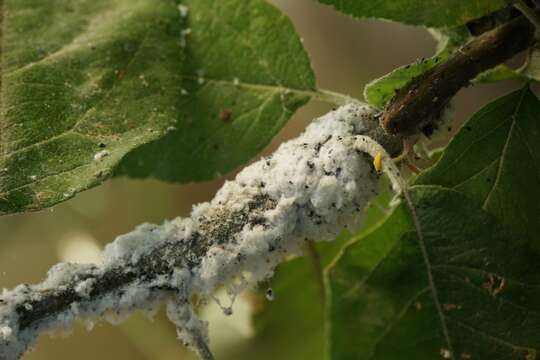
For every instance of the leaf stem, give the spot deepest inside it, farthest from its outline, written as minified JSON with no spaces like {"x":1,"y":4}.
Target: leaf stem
{"x":322,"y":95}
{"x":332,"y":97}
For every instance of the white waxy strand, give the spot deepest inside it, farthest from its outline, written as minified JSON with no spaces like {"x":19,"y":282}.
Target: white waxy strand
{"x":370,"y":146}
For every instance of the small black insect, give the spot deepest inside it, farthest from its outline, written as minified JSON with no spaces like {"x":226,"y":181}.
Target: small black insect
{"x":269,"y":294}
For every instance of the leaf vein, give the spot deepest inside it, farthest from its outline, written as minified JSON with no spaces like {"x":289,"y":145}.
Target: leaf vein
{"x":396,"y":320}
{"x":505,"y":150}
{"x":429,"y":270}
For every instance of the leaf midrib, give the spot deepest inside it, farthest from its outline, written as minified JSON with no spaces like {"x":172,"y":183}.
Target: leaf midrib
{"x":429,"y":270}
{"x":505,"y":150}
{"x":256,"y":87}
{"x":491,"y":337}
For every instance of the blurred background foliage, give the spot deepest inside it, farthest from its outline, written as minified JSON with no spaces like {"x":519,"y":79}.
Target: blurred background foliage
{"x":346,"y":54}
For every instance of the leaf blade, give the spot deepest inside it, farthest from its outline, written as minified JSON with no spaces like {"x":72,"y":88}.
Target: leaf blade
{"x":494,"y":157}
{"x":98,"y":80}
{"x":230,"y":58}
{"x":393,"y":312}
{"x":59,"y":78}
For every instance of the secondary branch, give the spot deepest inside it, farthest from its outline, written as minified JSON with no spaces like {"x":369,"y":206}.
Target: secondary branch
{"x":418,"y":106}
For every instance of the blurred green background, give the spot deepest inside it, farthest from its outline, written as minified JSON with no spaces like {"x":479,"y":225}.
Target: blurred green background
{"x":346,"y":54}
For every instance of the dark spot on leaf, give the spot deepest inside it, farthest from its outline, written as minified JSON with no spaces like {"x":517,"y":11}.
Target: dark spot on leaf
{"x":120,"y":74}
{"x":225,"y":115}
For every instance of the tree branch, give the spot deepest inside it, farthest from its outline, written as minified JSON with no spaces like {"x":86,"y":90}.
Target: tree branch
{"x":310,"y":188}
{"x":418,"y":106}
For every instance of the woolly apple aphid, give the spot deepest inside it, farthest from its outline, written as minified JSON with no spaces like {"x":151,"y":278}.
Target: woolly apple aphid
{"x":310,"y":188}
{"x":269,"y":294}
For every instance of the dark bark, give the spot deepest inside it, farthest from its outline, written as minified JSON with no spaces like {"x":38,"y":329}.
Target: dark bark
{"x":418,"y":106}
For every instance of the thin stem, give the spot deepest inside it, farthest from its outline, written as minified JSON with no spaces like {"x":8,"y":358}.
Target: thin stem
{"x":319,"y":94}
{"x":333,"y":97}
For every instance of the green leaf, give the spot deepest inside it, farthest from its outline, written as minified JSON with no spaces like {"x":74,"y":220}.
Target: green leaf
{"x":86,"y":82}
{"x":499,"y":73}
{"x":243,"y":60}
{"x":495,"y":160}
{"x":379,"y":91}
{"x":433,"y":13}
{"x":458,"y":281}
{"x":77,"y":74}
